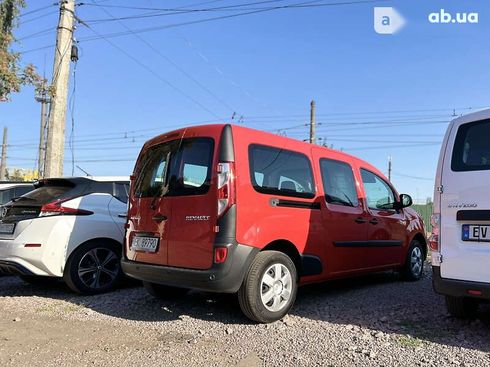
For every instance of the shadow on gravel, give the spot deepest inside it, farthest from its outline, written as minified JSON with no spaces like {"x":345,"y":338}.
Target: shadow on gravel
{"x":375,"y":303}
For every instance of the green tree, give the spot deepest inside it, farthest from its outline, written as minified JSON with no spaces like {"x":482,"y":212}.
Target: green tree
{"x":12,"y":74}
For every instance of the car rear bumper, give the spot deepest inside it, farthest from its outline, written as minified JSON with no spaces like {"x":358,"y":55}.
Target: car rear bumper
{"x":223,"y":278}
{"x":458,"y":288}
{"x":13,"y":268}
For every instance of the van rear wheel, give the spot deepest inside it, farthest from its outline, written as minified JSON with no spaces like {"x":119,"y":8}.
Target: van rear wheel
{"x":164,"y":291}
{"x":462,"y":307}
{"x":269,"y":289}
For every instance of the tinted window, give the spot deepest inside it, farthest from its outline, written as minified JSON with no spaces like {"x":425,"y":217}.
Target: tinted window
{"x":339,"y":183}
{"x":379,"y":194}
{"x":6,"y":195}
{"x":121,"y":191}
{"x":19,"y":191}
{"x":472,"y":147}
{"x":179,"y":167}
{"x":280,"y":172}
{"x":52,"y":190}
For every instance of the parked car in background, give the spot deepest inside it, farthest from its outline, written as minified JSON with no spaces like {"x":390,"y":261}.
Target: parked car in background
{"x":229,"y":209}
{"x":70,"y":228}
{"x":460,"y":241}
{"x":10,"y":190}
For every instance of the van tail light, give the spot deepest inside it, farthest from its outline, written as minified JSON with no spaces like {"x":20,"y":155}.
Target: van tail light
{"x":435,"y":221}
{"x":55,"y":208}
{"x":226,"y":186}
{"x":220,"y":254}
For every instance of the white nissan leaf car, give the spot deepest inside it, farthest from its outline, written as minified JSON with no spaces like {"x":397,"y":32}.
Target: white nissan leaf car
{"x":70,"y":228}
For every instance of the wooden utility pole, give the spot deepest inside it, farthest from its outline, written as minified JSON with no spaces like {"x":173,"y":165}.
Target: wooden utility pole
{"x":389,"y":168}
{"x":61,"y":73}
{"x":42,"y":98}
{"x":3,"y":164}
{"x":312,"y":123}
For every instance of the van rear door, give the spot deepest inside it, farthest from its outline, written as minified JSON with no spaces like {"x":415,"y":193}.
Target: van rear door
{"x":193,"y":195}
{"x":465,"y":203}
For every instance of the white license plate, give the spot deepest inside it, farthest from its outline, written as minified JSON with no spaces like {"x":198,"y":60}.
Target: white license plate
{"x":476,"y":233}
{"x":147,"y":244}
{"x":7,"y":228}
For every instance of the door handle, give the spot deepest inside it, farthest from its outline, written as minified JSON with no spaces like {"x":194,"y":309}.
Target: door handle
{"x":160,"y":218}
{"x":373,"y":221}
{"x":122,"y":215}
{"x":360,"y":220}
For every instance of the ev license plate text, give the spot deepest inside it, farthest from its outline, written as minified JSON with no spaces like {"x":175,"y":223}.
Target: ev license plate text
{"x":476,"y":233}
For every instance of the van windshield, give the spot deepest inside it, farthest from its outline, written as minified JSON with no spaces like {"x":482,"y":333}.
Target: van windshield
{"x":472,"y":149}
{"x":175,"y":168}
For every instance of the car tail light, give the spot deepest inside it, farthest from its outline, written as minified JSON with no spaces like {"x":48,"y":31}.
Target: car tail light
{"x":55,"y":208}
{"x":220,"y":254}
{"x":435,"y":221}
{"x":226,"y":187}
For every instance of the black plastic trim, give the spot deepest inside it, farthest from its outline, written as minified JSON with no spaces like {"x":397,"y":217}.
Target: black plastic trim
{"x":311,"y":265}
{"x":388,"y":243}
{"x":457,"y":288}
{"x":226,"y":148}
{"x":222,"y":278}
{"x":12,"y":268}
{"x":473,"y":215}
{"x":294,"y":204}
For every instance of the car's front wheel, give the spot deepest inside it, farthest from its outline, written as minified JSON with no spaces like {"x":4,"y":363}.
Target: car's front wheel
{"x":414,"y":263}
{"x":269,"y":289}
{"x":94,"y":267}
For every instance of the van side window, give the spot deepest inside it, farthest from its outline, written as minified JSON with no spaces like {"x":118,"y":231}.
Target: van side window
{"x":280,"y":172}
{"x":338,"y":183}
{"x":472,"y":149}
{"x":379,"y":194}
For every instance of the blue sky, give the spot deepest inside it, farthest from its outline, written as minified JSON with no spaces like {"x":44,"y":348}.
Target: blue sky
{"x":377,"y":95}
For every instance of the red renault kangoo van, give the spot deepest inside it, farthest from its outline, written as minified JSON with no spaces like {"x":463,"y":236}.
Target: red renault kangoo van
{"x":230,"y":209}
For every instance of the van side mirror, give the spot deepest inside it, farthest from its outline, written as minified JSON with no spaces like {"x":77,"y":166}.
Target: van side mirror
{"x":405,"y":201}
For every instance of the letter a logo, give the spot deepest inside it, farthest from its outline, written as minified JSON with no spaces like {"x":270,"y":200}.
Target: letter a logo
{"x":387,"y":20}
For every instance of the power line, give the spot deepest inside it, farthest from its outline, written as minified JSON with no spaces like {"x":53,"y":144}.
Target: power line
{"x":174,"y":64}
{"x":157,"y":75}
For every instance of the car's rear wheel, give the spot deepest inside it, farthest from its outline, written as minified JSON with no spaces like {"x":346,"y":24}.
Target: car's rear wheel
{"x":269,"y":289}
{"x":462,"y":307}
{"x":38,"y":279}
{"x":94,"y":267}
{"x":414,"y":263}
{"x":164,"y":291}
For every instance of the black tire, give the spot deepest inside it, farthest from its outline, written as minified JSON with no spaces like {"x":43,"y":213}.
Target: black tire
{"x":252,"y":290}
{"x":94,"y":267}
{"x":414,"y":263}
{"x":39,"y":280}
{"x":462,"y":307}
{"x":164,"y":291}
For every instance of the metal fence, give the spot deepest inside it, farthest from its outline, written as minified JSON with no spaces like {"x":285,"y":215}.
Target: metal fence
{"x":425,"y":211}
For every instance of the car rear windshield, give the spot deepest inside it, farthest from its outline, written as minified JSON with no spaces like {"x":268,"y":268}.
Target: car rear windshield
{"x":472,"y":148}
{"x":280,"y":172}
{"x":175,"y":168}
{"x":52,"y":190}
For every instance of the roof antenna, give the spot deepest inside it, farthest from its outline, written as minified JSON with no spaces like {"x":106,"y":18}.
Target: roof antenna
{"x":81,"y":169}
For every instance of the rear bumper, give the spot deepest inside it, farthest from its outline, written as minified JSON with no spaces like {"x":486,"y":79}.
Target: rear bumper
{"x":458,"y":288}
{"x":223,"y":278}
{"x":13,"y":268}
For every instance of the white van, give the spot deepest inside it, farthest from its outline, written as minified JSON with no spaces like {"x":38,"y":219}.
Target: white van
{"x":460,"y":242}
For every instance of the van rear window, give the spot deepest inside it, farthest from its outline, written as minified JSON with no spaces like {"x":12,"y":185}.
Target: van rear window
{"x":175,"y":168}
{"x":472,"y":148}
{"x":280,"y":172}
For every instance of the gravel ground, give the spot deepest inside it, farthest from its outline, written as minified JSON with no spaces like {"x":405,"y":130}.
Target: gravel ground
{"x":375,"y":320}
